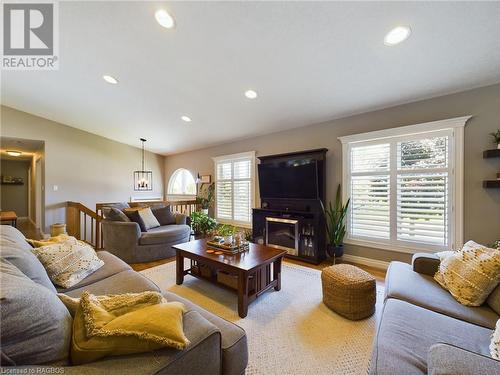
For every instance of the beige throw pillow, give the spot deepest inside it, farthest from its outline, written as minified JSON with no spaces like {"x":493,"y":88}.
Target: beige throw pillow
{"x":150,"y":220}
{"x":68,"y":262}
{"x":495,"y":342}
{"x":470,"y":274}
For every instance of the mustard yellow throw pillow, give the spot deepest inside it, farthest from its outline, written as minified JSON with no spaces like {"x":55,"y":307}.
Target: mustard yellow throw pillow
{"x":125,"y":324}
{"x":49,"y":241}
{"x":471,"y":274}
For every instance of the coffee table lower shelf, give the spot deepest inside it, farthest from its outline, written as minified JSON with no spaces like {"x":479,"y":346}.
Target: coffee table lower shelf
{"x":249,"y":284}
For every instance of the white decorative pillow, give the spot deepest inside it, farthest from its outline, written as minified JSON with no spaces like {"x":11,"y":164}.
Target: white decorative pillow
{"x":495,"y":342}
{"x":470,"y":274}
{"x":68,"y":262}
{"x":150,"y":220}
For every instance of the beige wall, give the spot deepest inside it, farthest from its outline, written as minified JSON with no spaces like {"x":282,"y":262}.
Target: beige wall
{"x":482,"y":207}
{"x":85,"y":167}
{"x":15,"y":197}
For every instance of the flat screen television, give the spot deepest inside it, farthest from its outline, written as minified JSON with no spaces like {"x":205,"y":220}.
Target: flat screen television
{"x":294,"y":180}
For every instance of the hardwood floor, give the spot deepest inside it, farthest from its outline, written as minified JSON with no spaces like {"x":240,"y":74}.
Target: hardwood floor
{"x":377,"y":273}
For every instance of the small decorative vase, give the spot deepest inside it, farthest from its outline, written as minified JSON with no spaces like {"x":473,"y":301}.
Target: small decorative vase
{"x":228,"y":240}
{"x":498,"y":146}
{"x":335,"y":251}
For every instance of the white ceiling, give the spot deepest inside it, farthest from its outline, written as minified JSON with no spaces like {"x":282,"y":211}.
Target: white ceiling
{"x":309,"y":62}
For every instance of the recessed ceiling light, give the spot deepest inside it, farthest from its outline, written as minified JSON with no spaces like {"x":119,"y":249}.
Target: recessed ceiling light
{"x":110,"y":79}
{"x":14,"y":153}
{"x":186,"y":118}
{"x":164,"y":19}
{"x":250,"y":94}
{"x":397,"y":35}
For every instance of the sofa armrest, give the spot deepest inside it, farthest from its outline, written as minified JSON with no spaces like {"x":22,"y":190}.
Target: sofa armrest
{"x":445,"y":359}
{"x":121,"y":239}
{"x":182,"y":219}
{"x":425,"y":263}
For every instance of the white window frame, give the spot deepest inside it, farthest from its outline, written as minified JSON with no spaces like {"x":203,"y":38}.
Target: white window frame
{"x":235,"y":157}
{"x":453,"y":127}
{"x":180,"y":197}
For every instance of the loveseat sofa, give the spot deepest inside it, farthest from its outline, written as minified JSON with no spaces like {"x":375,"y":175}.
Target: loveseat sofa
{"x":36,"y":326}
{"x":124,"y":238}
{"x":424,"y":330}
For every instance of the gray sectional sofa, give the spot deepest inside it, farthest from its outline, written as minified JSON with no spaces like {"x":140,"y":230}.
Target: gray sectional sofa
{"x":424,"y":330}
{"x":36,"y":325}
{"x":125,"y":239}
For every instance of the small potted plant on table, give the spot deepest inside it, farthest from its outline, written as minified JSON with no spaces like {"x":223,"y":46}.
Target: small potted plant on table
{"x":227,"y":232}
{"x":335,"y":225}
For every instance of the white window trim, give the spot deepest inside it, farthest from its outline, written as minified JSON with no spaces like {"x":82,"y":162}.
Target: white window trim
{"x":179,"y":197}
{"x":456,"y":125}
{"x":242,"y":155}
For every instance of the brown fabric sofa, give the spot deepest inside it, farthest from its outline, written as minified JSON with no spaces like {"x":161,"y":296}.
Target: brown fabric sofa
{"x":217,"y":346}
{"x":424,"y":330}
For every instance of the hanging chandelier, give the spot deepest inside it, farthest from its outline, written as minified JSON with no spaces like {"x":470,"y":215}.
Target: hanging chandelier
{"x":143,"y":180}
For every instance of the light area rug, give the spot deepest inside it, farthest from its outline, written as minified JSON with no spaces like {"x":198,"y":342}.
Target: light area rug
{"x":290,"y":332}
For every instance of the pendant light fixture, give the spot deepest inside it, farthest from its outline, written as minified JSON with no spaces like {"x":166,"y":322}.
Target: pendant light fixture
{"x":143,"y":180}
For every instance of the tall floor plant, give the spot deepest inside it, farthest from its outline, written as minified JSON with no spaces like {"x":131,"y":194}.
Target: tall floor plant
{"x":335,"y":216}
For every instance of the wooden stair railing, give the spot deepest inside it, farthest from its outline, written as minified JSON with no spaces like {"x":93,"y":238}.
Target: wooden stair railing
{"x":82,"y":223}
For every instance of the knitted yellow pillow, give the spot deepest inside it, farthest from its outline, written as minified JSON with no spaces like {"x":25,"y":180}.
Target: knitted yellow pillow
{"x":470,"y":274}
{"x":125,"y":324}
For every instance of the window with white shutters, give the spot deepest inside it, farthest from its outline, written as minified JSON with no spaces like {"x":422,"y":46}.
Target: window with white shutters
{"x":405,"y":189}
{"x":234,"y":181}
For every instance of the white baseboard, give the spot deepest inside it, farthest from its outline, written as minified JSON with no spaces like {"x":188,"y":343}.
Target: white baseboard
{"x":380,"y":264}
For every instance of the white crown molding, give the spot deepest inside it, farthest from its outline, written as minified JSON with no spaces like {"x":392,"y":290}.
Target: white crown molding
{"x":451,"y":123}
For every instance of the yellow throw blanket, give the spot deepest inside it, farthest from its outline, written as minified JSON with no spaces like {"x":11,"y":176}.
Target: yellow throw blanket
{"x":124,"y":324}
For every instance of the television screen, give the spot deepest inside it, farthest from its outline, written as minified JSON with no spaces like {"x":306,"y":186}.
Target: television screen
{"x":289,"y":180}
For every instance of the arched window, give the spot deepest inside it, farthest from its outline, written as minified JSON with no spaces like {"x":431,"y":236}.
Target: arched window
{"x":181,"y":183}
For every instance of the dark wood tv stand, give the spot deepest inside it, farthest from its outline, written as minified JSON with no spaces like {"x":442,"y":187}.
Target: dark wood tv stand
{"x":295,"y":225}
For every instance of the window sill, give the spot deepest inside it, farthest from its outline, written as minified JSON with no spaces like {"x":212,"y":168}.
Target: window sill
{"x":239,"y":224}
{"x":408,"y":248}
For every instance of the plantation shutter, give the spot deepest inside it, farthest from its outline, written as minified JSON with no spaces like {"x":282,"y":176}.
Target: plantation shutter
{"x":400,"y":190}
{"x":234,"y":189}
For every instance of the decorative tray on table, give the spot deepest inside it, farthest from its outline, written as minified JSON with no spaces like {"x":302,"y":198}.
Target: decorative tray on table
{"x":227,"y":248}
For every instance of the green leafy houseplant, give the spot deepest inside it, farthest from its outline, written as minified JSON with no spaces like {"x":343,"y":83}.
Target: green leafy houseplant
{"x":335,"y":225}
{"x":496,"y":135}
{"x":226,"y":231}
{"x":206,"y":196}
{"x":202,"y":223}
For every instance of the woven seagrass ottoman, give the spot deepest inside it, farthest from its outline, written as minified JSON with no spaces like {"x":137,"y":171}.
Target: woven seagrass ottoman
{"x":349,"y":291}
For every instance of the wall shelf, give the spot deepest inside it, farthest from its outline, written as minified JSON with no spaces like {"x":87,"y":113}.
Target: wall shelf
{"x":491,"y":184}
{"x":491,"y":153}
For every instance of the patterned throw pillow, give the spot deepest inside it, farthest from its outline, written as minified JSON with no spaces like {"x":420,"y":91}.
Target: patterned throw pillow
{"x":68,"y":262}
{"x":470,"y":274}
{"x":495,"y":342}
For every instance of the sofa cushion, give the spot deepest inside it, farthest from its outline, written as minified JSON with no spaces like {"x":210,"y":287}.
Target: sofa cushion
{"x":165,"y":234}
{"x":406,"y":332}
{"x":133,"y":215}
{"x":26,"y":262}
{"x":36,"y":326}
{"x":124,"y":282}
{"x":234,"y":340}
{"x":14,"y":236}
{"x":112,"y":266}
{"x":150,"y":221}
{"x":470,"y":274}
{"x":493,"y":300}
{"x":68,"y":262}
{"x":164,"y":215}
{"x":114,"y":214}
{"x":422,"y":290}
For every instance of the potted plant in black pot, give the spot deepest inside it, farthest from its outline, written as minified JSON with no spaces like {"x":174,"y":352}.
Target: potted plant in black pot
{"x":335,"y":225}
{"x":496,"y":136}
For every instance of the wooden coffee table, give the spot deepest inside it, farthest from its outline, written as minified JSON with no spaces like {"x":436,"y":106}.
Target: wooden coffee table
{"x":256,"y":270}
